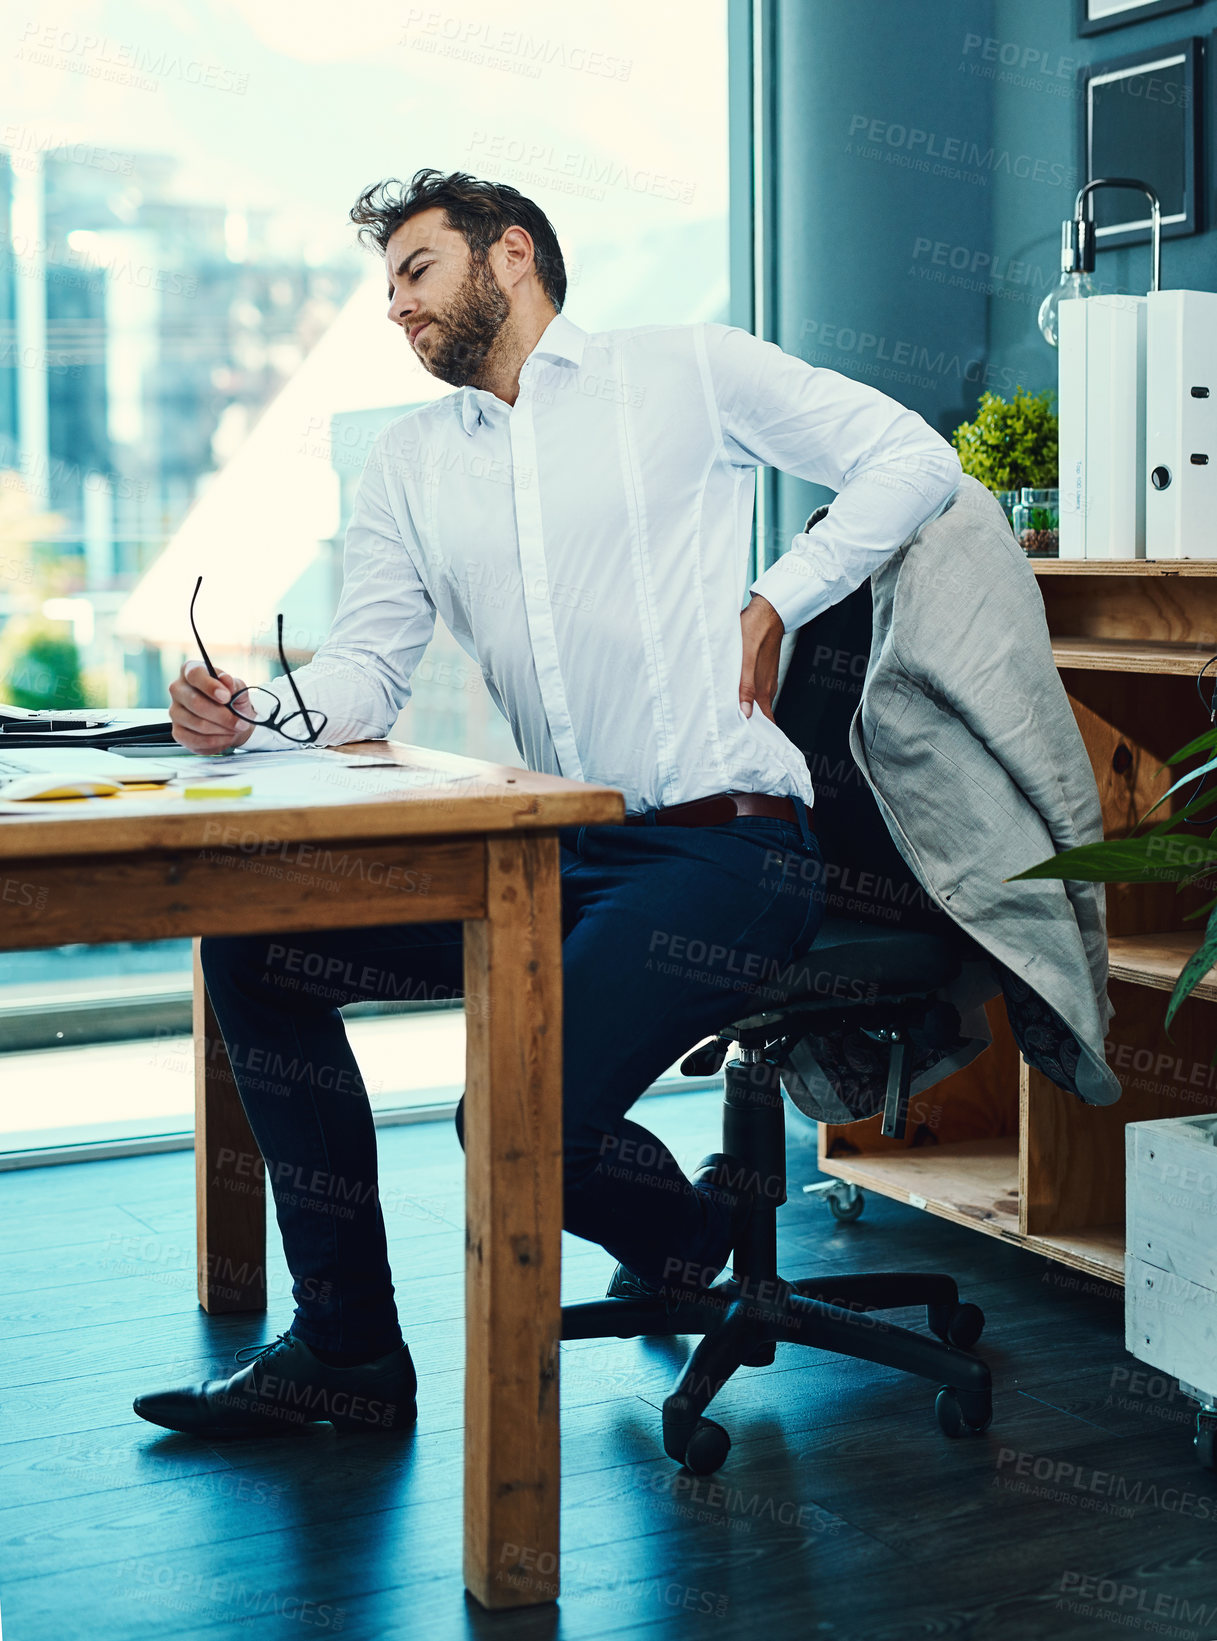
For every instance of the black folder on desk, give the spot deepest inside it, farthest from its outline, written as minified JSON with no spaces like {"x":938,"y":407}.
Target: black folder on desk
{"x":117,"y":729}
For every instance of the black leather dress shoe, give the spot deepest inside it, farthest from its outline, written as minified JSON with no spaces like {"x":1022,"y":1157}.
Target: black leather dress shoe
{"x":283,"y":1387}
{"x":623,"y":1284}
{"x":712,"y":1175}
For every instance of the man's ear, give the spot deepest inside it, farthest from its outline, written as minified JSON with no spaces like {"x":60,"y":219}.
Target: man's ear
{"x":517,"y":253}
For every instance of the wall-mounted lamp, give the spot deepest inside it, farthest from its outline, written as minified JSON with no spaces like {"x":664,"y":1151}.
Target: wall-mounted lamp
{"x":1078,"y":248}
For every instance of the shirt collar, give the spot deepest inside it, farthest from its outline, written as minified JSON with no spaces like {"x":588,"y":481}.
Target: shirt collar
{"x":561,"y":340}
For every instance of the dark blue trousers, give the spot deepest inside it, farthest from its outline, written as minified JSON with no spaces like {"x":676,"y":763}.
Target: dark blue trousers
{"x":666,"y":932}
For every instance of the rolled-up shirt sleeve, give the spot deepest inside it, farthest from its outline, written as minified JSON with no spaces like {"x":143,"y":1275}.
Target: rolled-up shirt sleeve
{"x":890,"y":469}
{"x":360,"y":676}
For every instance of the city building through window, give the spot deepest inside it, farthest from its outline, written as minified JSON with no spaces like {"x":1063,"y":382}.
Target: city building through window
{"x":194,"y":360}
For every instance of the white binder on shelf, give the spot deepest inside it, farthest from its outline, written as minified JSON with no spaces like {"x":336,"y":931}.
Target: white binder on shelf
{"x":1102,"y":427}
{"x":1181,"y":425}
{"x":1071,"y":413}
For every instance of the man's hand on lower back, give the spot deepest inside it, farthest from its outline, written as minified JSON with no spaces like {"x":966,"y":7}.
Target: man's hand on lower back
{"x":762,"y":632}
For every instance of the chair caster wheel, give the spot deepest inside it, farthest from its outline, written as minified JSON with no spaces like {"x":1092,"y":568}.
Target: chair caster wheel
{"x":958,"y":1325}
{"x":955,"y":1419}
{"x":1206,"y":1439}
{"x":845,"y":1203}
{"x":708,"y":1447}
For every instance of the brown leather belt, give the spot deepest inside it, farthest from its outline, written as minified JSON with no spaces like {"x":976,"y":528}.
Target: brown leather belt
{"x":720,"y":808}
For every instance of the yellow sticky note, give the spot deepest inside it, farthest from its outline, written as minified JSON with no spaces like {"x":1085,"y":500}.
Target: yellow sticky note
{"x":217,"y":791}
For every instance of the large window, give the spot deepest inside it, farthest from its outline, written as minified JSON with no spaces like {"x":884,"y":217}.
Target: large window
{"x":194,"y":358}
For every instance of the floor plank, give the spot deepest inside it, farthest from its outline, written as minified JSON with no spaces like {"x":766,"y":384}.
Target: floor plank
{"x":842,"y":1511}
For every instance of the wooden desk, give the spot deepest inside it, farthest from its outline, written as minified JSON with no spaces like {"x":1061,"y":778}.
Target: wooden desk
{"x":485,"y":852}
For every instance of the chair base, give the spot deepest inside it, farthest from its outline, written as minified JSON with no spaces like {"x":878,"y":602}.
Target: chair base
{"x":742,"y":1322}
{"x":743,"y":1318}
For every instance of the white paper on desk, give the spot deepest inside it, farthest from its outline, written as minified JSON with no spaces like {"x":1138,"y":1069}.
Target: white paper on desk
{"x":341,"y":784}
{"x":314,"y":756}
{"x":67,"y":762}
{"x":295,"y":775}
{"x":281,"y":784}
{"x":354,"y":772}
{"x":193,"y":764}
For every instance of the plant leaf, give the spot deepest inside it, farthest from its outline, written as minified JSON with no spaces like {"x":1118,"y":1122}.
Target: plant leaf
{"x":1193,"y":806}
{"x":1184,"y":780}
{"x":1194,"y":970}
{"x":1203,"y":743}
{"x":1197,"y":877}
{"x":1126,"y":860}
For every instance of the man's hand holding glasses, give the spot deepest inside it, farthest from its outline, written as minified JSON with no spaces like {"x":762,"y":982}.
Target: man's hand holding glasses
{"x":213,"y":712}
{"x":199,"y":710}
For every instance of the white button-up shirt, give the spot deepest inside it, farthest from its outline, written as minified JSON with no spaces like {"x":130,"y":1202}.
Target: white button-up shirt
{"x":588,"y":547}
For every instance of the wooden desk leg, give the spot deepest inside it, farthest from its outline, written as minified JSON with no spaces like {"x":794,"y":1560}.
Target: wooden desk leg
{"x":513,"y":1206}
{"x":229,"y":1192}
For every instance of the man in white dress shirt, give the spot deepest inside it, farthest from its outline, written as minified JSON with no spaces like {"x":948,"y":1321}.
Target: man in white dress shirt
{"x":579,"y":513}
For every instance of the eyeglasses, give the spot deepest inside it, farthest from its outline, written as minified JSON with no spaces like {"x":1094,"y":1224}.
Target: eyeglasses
{"x":266,"y":709}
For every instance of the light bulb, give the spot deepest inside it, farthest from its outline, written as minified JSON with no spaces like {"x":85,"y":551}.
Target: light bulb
{"x":1067,"y":288}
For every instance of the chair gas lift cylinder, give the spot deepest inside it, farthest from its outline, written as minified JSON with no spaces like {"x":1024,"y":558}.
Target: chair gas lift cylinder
{"x":744,"y":1317}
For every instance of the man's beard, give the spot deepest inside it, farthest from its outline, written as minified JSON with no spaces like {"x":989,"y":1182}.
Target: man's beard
{"x":461,"y":340}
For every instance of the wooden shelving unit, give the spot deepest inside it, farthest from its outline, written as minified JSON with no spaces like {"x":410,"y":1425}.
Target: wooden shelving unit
{"x":998,"y":1147}
{"x":1127,"y":569}
{"x":1156,"y":960}
{"x":1126,"y":655}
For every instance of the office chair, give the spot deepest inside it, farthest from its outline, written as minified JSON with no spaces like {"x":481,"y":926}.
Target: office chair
{"x":893,"y":969}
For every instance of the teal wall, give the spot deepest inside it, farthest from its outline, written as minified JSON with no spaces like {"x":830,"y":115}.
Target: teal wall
{"x":1038,"y":116}
{"x":916,"y":185}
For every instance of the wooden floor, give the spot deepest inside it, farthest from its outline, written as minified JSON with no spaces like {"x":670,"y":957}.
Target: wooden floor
{"x":842,"y":1511}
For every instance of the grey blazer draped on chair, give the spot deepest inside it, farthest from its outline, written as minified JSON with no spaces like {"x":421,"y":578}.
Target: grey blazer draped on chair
{"x":966,"y":739}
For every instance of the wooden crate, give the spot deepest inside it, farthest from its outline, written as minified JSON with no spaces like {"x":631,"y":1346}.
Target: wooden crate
{"x":1170,"y":1316}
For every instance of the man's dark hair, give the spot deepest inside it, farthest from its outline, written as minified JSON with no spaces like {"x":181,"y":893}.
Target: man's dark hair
{"x":480,"y":211}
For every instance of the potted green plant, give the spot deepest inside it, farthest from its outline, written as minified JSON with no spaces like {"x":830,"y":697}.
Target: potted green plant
{"x":1012,"y":448}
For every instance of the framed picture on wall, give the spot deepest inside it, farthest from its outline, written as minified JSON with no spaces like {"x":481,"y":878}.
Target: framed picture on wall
{"x":1141,"y":117}
{"x":1096,"y":15}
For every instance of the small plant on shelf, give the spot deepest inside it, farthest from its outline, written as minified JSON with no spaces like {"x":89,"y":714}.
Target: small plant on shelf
{"x":1011,"y":446}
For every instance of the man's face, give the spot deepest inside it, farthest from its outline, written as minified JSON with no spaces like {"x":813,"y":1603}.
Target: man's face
{"x":450,"y":307}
